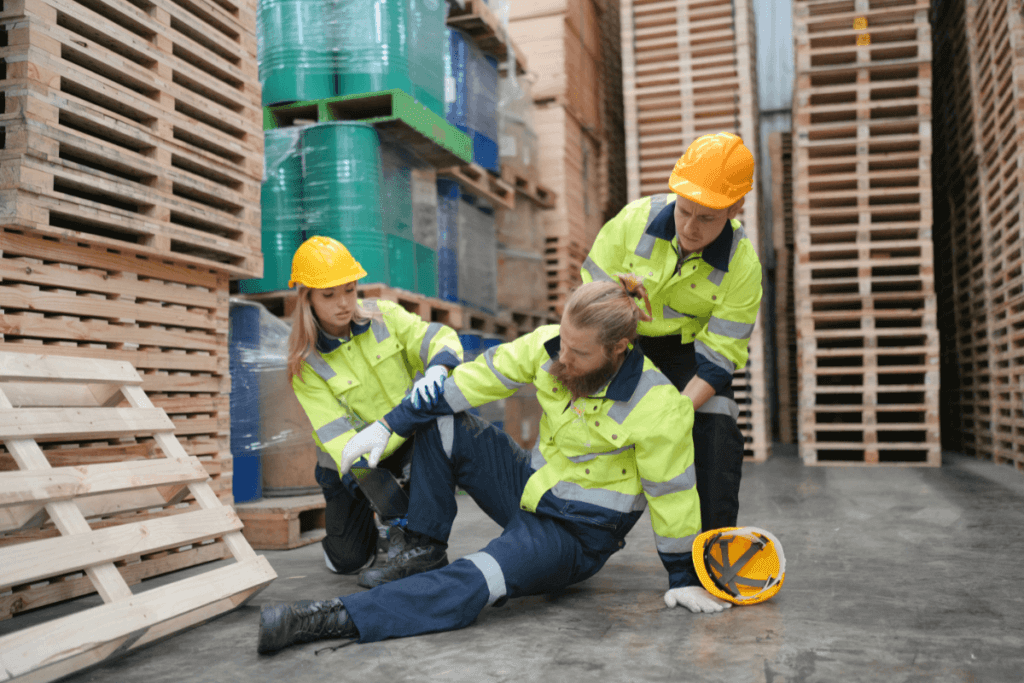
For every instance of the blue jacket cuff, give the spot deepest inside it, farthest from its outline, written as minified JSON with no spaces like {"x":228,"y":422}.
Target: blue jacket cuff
{"x":712,"y":374}
{"x":446,"y":358}
{"x":680,"y":569}
{"x":404,"y":419}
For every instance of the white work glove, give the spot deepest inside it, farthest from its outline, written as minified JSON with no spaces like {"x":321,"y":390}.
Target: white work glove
{"x":695,"y":599}
{"x":373,"y":440}
{"x":427,"y":390}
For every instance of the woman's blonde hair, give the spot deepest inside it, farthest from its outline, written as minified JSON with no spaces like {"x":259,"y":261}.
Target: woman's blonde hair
{"x":609,"y":308}
{"x":305,"y":327}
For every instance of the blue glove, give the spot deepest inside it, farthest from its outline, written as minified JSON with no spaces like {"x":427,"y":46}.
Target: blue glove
{"x":429,"y":388}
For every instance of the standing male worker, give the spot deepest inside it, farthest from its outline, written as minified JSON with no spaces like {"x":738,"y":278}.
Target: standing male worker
{"x":614,"y":438}
{"x":703,"y":280}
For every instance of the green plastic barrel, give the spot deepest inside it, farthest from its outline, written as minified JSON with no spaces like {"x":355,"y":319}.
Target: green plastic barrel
{"x":281,"y":191}
{"x":402,"y":262}
{"x":278,"y":250}
{"x":374,"y":46}
{"x":427,"y":49}
{"x":295,"y":51}
{"x":426,"y":271}
{"x":342,"y":189}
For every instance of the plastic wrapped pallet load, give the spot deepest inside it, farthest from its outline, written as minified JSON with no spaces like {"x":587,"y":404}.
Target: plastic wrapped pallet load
{"x":471,"y":96}
{"x":478,"y":267}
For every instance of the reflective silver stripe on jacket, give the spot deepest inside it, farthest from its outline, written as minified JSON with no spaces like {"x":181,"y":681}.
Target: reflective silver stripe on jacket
{"x":714,"y":356}
{"x":674,"y":546}
{"x":669,"y":313}
{"x":454,"y":396}
{"x":716,"y":276}
{"x":587,"y":457}
{"x":380,"y":330}
{"x":446,"y":427}
{"x":737,"y":235}
{"x":537,"y":459}
{"x":684,"y":482}
{"x":650,"y":379}
{"x":645,"y":247}
{"x":547,"y":366}
{"x":324,"y":459}
{"x":613,"y":500}
{"x":493,"y":575}
{"x":333,"y":429}
{"x":720,"y":405}
{"x":729,"y":328}
{"x":320,"y":366}
{"x":509,"y":384}
{"x":432,"y":330}
{"x":597,"y":273}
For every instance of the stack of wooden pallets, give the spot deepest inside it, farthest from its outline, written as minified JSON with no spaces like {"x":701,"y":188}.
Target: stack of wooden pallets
{"x":688,"y":70}
{"x":979,"y":226}
{"x":130,"y":167}
{"x":866,"y":308}
{"x":780,"y":151}
{"x":569,"y":47}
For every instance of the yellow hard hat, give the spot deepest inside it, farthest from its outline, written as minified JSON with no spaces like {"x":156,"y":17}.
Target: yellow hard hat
{"x":715,"y":171}
{"x":743,"y":565}
{"x":323,"y":262}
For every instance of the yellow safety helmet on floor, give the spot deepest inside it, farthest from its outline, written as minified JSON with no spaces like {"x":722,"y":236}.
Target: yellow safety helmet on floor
{"x":743,"y":565}
{"x":323,"y":262}
{"x":715,"y":171}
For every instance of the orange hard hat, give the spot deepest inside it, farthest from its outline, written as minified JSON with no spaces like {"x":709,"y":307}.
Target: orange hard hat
{"x":715,"y":171}
{"x":323,"y":262}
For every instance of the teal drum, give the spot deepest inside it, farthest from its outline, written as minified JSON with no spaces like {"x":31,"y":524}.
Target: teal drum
{"x":374,"y":46}
{"x":427,"y":49}
{"x":343,"y":190}
{"x":426,"y":271}
{"x":295,"y":49}
{"x":278,"y":250}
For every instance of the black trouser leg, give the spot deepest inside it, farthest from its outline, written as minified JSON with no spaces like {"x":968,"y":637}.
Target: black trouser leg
{"x":718,"y":460}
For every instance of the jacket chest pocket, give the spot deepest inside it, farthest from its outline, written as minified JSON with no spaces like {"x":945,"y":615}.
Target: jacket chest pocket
{"x":389,"y":365}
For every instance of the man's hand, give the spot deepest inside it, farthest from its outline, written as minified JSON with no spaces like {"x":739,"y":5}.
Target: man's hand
{"x":429,"y":388}
{"x":373,"y":440}
{"x":695,"y":599}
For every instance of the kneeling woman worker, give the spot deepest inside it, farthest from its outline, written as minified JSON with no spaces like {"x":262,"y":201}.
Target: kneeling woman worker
{"x":352,"y":361}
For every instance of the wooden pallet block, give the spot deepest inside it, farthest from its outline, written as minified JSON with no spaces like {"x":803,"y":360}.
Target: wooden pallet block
{"x":283,"y":523}
{"x":541,"y":195}
{"x":126,"y":621}
{"x":475,"y":179}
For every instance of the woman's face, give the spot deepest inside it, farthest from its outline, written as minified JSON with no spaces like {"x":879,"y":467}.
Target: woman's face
{"x":334,"y":307}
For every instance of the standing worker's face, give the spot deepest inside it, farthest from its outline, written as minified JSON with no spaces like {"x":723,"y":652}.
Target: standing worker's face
{"x":697,"y":226}
{"x":334,"y":307}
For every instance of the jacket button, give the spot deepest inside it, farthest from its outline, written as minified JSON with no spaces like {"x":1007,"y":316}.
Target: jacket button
{"x":378,"y":356}
{"x":695,"y":267}
{"x":350,"y":382}
{"x":623,"y":471}
{"x":713,"y":297}
{"x":555,"y":390}
{"x":597,"y":424}
{"x":587,"y":471}
{"x":691,"y":287}
{"x":615,"y":436}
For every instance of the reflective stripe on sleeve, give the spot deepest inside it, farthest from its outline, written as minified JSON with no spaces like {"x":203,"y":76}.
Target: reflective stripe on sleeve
{"x":714,"y":356}
{"x":729,"y":328}
{"x":537,"y":459}
{"x":595,"y":271}
{"x":454,"y":396}
{"x":493,"y":575}
{"x":509,"y":384}
{"x":432,"y":330}
{"x":446,"y":427}
{"x":669,"y":313}
{"x":684,"y":482}
{"x":674,"y":546}
{"x":380,"y":330}
{"x":613,"y":500}
{"x":720,"y":405}
{"x":334,"y":429}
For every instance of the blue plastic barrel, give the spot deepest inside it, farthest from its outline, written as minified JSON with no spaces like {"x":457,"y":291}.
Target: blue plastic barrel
{"x":243,"y":347}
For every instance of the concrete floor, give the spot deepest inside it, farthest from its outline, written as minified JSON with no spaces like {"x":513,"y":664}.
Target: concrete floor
{"x":895,"y":574}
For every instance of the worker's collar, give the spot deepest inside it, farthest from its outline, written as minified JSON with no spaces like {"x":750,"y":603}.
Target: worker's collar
{"x":325,"y":343}
{"x":715,"y":254}
{"x":624,"y":383}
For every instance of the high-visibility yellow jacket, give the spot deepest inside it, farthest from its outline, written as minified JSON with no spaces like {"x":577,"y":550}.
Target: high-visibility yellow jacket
{"x":710,"y":299}
{"x":346,"y":384}
{"x":604,"y":458}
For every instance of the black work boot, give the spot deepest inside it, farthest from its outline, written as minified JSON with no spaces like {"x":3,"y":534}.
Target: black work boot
{"x":303,"y":622}
{"x":410,"y":553}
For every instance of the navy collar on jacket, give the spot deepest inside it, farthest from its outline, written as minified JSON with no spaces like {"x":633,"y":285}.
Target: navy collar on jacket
{"x":715,"y":254}
{"x":325,"y":343}
{"x":624,"y":383}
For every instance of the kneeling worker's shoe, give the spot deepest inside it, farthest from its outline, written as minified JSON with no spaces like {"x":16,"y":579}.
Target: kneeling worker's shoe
{"x":418,"y":554}
{"x":303,"y":622}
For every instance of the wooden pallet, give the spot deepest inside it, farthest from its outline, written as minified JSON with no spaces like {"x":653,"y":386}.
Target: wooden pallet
{"x":475,"y":179}
{"x":169,"y":319}
{"x":476,"y":19}
{"x":780,"y":152}
{"x":283,"y":523}
{"x":150,"y":145}
{"x":61,"y":409}
{"x":541,"y":195}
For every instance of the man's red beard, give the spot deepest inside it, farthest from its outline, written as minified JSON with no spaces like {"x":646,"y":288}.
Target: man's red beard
{"x":585,"y":384}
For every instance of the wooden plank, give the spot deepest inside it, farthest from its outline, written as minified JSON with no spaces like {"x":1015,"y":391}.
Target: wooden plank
{"x":34,"y":423}
{"x":36,"y":560}
{"x":65,"y":483}
{"x":62,"y":646}
{"x":23,"y":367}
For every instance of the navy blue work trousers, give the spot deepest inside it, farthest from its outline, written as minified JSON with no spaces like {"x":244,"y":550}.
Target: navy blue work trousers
{"x":535,"y":554}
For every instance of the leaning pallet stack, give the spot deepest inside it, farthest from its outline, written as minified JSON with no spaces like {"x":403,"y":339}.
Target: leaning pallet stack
{"x":131,"y":157}
{"x":780,"y":151}
{"x":688,"y":70}
{"x":994,"y":37}
{"x":564,"y":45}
{"x":866,"y":307}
